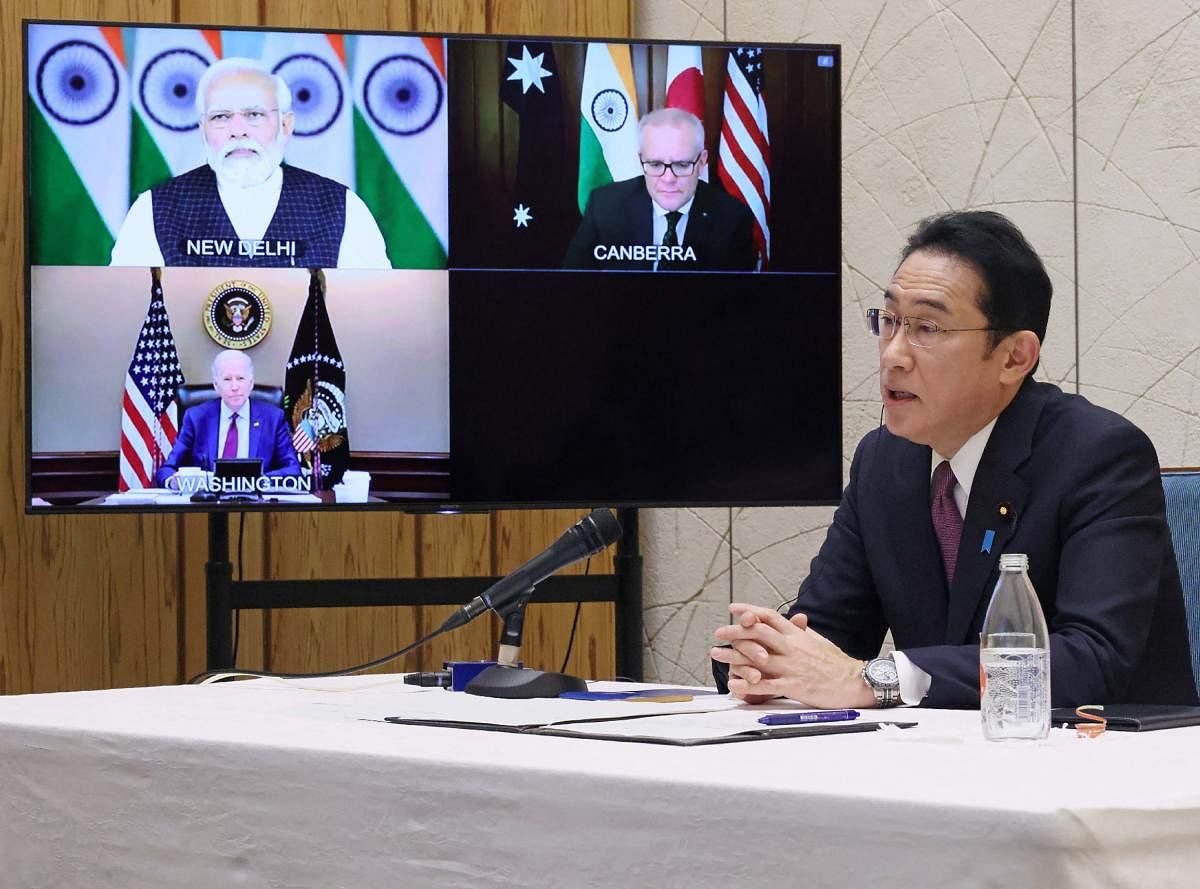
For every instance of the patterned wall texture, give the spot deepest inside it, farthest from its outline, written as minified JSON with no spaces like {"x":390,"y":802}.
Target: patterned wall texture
{"x":1076,"y":119}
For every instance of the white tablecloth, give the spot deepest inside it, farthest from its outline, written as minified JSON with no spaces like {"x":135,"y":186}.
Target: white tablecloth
{"x":260,"y":784}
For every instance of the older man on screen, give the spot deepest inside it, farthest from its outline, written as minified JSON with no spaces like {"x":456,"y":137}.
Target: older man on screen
{"x":667,"y":218}
{"x":244,"y":207}
{"x":232,"y":426}
{"x":976,"y":458}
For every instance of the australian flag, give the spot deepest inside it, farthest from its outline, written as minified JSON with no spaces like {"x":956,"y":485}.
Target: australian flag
{"x":540,"y":215}
{"x":314,"y":396}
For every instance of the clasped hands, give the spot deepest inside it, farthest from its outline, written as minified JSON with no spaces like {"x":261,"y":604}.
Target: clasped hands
{"x":771,"y":655}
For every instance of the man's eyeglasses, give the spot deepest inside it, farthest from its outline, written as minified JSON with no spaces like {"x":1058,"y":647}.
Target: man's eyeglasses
{"x":920,"y":332}
{"x":679,"y":168}
{"x":254,"y":117}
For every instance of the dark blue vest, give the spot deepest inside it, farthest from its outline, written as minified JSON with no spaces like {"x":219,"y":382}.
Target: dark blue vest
{"x":193,"y":228}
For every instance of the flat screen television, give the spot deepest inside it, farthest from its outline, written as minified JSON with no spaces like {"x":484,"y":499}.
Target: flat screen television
{"x":466,"y":271}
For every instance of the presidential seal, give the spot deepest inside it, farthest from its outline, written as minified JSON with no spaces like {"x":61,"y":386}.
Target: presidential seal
{"x":237,"y":314}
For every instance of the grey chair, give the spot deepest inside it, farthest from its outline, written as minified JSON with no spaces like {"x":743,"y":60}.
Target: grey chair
{"x":1182,"y":489}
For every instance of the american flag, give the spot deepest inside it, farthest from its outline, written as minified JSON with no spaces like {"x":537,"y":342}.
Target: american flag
{"x":744,"y":155}
{"x":149,"y":410}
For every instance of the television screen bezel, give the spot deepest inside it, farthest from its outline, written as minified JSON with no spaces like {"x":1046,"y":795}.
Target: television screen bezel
{"x":395,"y":505}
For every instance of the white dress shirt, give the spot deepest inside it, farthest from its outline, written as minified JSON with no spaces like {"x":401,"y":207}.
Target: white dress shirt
{"x":250,"y":210}
{"x":660,"y":223}
{"x":915,"y":682}
{"x":243,"y":428}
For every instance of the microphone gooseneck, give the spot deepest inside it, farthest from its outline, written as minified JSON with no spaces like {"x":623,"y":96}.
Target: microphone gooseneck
{"x":595,"y":531}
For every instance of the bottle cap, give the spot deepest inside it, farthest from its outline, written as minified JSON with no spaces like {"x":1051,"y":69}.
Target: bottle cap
{"x":1014,"y":561}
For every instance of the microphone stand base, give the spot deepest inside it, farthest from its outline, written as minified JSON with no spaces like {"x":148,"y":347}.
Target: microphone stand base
{"x":521,"y":682}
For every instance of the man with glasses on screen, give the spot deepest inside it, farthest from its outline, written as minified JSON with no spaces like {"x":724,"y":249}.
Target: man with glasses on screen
{"x":667,"y":218}
{"x":975,"y":458}
{"x":244,"y":207}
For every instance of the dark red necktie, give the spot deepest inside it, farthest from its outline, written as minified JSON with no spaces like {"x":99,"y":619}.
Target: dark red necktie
{"x":947,"y":523}
{"x":231,"y":439}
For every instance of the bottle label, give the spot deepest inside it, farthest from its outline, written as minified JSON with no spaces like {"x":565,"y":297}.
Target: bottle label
{"x":1015,"y":685}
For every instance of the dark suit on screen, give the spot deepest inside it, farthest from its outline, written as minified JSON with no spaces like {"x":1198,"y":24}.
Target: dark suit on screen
{"x":197,"y":443}
{"x":720,"y":229}
{"x":1084,"y":501}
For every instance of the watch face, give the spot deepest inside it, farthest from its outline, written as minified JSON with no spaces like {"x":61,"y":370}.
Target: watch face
{"x":882,"y":672}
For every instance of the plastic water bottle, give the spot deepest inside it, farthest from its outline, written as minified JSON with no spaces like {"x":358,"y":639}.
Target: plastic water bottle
{"x":1014,"y":658}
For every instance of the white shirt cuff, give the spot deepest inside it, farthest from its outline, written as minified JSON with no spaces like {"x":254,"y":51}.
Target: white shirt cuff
{"x":914,"y":682}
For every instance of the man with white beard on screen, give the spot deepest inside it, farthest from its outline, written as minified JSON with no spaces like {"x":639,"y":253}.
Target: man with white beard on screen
{"x":245,"y":207}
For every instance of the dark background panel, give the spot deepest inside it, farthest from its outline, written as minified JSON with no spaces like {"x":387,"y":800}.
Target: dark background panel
{"x":642,"y":388}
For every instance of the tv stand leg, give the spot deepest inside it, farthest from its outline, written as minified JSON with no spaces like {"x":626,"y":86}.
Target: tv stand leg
{"x":218,"y":576}
{"x":629,"y":624}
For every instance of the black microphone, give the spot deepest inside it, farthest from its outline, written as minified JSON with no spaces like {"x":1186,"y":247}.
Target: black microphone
{"x":585,"y":538}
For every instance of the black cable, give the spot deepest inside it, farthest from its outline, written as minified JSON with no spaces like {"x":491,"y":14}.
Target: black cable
{"x":575,"y":621}
{"x":348,"y":671}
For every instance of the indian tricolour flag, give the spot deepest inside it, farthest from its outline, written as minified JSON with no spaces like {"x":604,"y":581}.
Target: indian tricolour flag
{"x":314,"y":68}
{"x":608,"y":142}
{"x":78,"y":143}
{"x":167,"y":66}
{"x":400,"y":144}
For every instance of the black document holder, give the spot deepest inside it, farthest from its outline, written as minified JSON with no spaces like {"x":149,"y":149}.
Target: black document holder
{"x":558,"y":730}
{"x":1132,"y":717}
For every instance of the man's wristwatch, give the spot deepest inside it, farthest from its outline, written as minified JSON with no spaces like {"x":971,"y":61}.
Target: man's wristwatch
{"x":881,"y":677}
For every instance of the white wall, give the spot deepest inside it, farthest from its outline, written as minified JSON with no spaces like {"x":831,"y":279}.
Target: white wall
{"x":1076,"y":119}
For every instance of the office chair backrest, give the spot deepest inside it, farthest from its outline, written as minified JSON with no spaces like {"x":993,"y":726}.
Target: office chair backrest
{"x":1182,"y":490}
{"x":192,"y":394}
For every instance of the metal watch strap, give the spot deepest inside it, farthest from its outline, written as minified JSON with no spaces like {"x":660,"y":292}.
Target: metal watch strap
{"x":886,"y":697}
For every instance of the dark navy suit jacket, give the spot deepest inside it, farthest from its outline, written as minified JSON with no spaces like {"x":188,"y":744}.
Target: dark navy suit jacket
{"x":1084,"y":500}
{"x":720,"y":229}
{"x":197,"y":443}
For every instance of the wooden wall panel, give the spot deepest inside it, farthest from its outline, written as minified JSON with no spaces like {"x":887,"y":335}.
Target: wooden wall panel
{"x":470,"y":16}
{"x":320,"y":545}
{"x":456,"y":545}
{"x":206,"y":12}
{"x":386,"y":15}
{"x":102,"y":601}
{"x":591,"y":19}
{"x":520,"y":535}
{"x":139,"y":600}
{"x":80,"y":607}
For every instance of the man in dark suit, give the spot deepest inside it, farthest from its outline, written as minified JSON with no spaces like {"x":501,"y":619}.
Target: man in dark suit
{"x":1029,"y":470}
{"x":232,"y":426}
{"x":668,"y":218}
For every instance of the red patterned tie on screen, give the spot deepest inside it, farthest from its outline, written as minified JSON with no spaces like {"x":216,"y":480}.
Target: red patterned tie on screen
{"x":947,"y":523}
{"x":231,"y":439}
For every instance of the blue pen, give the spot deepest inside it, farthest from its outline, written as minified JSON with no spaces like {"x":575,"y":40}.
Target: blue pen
{"x":808,"y":716}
